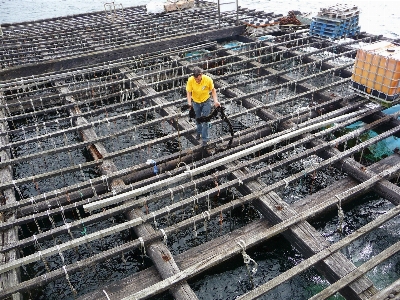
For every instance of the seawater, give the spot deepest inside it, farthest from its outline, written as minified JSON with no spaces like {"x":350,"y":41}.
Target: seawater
{"x":376,"y":17}
{"x":231,"y":279}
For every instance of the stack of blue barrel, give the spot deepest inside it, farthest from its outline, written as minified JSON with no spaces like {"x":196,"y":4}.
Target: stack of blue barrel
{"x":335,"y":22}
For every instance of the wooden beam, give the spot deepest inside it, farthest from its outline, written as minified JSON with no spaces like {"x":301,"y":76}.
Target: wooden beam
{"x":223,"y":161}
{"x":360,"y":271}
{"x":305,"y":264}
{"x":388,"y":293}
{"x":97,"y":57}
{"x":256,"y":238}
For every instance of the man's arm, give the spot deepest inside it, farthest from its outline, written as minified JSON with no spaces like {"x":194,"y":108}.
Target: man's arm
{"x":214,"y":95}
{"x":189,"y":98}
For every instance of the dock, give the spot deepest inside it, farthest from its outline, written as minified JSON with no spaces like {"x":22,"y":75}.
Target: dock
{"x":106,"y":193}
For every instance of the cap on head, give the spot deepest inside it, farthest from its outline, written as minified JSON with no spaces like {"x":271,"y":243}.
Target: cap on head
{"x":197,"y":71}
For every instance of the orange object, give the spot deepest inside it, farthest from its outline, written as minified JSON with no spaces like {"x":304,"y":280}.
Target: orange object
{"x":377,"y":68}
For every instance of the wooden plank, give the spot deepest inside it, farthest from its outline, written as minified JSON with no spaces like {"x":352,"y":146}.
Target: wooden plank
{"x":388,"y":190}
{"x":256,"y":238}
{"x":68,"y":245}
{"x":134,"y":283}
{"x":360,"y":271}
{"x":342,"y":185}
{"x":97,"y":57}
{"x":162,"y":259}
{"x":309,"y":242}
{"x":388,"y":293}
{"x":305,"y":264}
{"x":166,"y":267}
{"x":218,"y":163}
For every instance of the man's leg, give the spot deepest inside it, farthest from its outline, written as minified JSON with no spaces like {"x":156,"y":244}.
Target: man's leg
{"x":206,"y":110}
{"x":197,"y":110}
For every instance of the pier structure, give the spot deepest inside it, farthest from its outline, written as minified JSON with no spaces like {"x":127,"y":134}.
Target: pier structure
{"x":101,"y":170}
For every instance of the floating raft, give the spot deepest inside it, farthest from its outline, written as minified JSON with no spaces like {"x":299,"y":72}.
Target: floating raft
{"x":107,"y":194}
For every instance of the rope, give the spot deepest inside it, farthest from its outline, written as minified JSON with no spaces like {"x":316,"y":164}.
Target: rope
{"x":165,"y":236}
{"x":340,"y":214}
{"x":246,"y":258}
{"x":142,"y":247}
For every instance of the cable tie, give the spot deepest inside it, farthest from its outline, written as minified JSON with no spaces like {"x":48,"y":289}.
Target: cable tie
{"x":165,"y":236}
{"x":155,"y":222}
{"x":59,"y":252}
{"x":141,"y":242}
{"x":242,"y":245}
{"x":207,"y":215}
{"x":286,"y":182}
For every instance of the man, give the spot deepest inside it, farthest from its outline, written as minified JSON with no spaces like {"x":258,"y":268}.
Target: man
{"x":198,"y":90}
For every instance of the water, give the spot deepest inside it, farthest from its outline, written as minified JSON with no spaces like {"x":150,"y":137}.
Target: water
{"x":376,"y":17}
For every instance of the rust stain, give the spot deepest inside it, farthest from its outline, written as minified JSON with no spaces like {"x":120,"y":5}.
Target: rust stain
{"x":95,"y":153}
{"x":165,"y":257}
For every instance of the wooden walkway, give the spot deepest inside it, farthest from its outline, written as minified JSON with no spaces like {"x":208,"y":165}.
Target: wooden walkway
{"x":101,"y":170}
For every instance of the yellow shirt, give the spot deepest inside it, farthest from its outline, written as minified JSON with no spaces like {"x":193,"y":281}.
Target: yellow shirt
{"x":200,"y":91}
